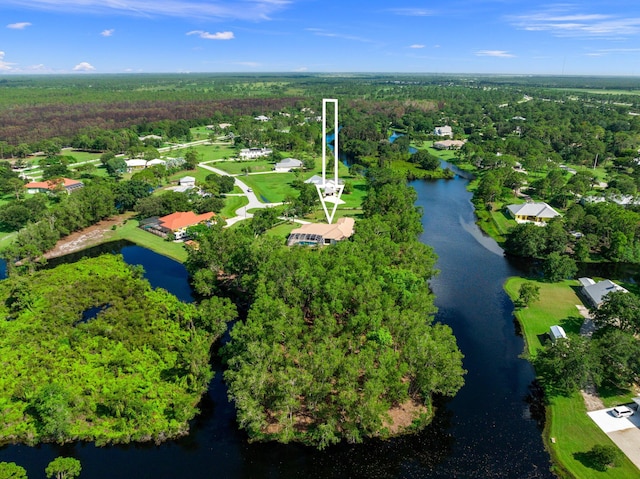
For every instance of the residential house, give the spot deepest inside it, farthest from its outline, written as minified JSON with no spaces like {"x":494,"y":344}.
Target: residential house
{"x":443,"y":131}
{"x":314,"y":234}
{"x":448,"y":144}
{"x":176,"y":223}
{"x":135,"y":164}
{"x":537,"y":213}
{"x":262,"y":118}
{"x":187,"y":181}
{"x":595,"y":293}
{"x":288,"y":164}
{"x":50,"y":186}
{"x":253,"y":153}
{"x":156,"y":161}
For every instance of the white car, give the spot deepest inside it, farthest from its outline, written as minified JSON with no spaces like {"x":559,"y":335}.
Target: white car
{"x":622,"y":411}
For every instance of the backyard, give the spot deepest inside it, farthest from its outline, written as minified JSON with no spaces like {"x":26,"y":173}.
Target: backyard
{"x":569,"y":431}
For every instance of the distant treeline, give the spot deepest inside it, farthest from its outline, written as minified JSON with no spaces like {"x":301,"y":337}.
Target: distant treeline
{"x":31,"y":123}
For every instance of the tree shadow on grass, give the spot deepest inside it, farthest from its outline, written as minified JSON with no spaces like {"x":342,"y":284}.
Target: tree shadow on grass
{"x":588,"y":460}
{"x":572,"y":324}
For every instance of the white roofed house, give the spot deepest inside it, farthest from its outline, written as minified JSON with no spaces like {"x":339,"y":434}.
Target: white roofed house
{"x":537,"y":213}
{"x":288,"y":164}
{"x":187,"y":181}
{"x":443,"y":131}
{"x":135,"y":164}
{"x":156,"y":161}
{"x":252,"y":153}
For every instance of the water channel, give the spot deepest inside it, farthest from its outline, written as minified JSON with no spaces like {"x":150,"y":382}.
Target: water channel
{"x":486,"y":431}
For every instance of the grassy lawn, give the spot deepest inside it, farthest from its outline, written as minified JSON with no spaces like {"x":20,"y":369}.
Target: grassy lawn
{"x":232,"y":203}
{"x":207,"y":151}
{"x":282,"y":230}
{"x":567,"y":422}
{"x":496,"y":223}
{"x":82,"y":155}
{"x":575,"y":433}
{"x":319,"y":217}
{"x":557,"y":305}
{"x":131,"y":232}
{"x":200,"y":174}
{"x":235,"y":167}
{"x":273,"y":187}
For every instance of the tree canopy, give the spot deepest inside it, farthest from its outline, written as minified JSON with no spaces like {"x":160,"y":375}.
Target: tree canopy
{"x":338,"y":338}
{"x":97,"y":354}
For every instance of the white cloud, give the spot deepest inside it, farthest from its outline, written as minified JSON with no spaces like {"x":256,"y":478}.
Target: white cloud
{"x":248,"y":64}
{"x":609,"y":51}
{"x":19,"y":25}
{"x":494,"y":53}
{"x":212,"y":36}
{"x":84,"y":67}
{"x":254,"y":10}
{"x":300,"y":69}
{"x":5,"y":66}
{"x":564,"y":21}
{"x":107,"y":33}
{"x":416,"y":45}
{"x":412,"y":12}
{"x":323,"y":33}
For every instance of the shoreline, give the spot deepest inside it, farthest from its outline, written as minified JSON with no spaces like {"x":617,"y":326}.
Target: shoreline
{"x":87,"y":237}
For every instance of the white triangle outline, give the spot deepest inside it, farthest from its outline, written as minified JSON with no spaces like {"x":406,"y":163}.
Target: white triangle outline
{"x":323,"y":200}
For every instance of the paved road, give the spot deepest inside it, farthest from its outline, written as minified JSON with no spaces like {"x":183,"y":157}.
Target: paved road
{"x":254,"y":202}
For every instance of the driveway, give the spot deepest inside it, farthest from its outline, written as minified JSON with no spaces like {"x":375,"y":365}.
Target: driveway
{"x":623,"y":431}
{"x":254,"y":202}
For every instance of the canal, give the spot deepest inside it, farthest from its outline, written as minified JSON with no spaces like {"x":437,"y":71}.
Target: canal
{"x":487,"y":431}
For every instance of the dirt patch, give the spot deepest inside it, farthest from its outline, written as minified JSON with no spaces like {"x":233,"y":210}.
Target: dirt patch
{"x":591,"y":399}
{"x":403,"y":415}
{"x":87,"y":237}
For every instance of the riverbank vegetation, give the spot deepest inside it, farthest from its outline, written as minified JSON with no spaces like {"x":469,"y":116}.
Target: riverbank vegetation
{"x":606,"y":361}
{"x":91,"y":352}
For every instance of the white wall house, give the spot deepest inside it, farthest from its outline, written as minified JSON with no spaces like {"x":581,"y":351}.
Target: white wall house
{"x":253,"y":153}
{"x":288,"y":164}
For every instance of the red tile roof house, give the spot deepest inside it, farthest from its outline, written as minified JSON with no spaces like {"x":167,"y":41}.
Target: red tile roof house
{"x":176,"y":223}
{"x":50,"y":186}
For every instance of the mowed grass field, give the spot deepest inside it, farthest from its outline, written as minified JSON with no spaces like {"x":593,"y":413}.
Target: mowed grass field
{"x":130,"y":231}
{"x":573,"y":432}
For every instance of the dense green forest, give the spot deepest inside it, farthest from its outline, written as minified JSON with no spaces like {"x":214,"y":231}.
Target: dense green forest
{"x":91,"y":352}
{"x":338,"y":342}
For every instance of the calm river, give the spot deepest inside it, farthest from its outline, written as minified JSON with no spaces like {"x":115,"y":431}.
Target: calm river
{"x":487,"y":431}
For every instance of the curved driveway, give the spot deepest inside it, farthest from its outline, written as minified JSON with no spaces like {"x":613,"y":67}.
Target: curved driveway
{"x":254,"y":202}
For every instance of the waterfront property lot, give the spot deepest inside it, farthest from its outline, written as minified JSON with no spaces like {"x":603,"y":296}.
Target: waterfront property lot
{"x":569,"y":432}
{"x":624,"y":431}
{"x":556,"y":306}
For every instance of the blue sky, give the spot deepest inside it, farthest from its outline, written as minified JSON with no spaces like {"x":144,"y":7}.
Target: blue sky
{"x":501,"y":36}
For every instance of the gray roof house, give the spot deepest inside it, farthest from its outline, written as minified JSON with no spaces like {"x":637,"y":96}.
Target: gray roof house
{"x":595,"y":292}
{"x":538,"y":213}
{"x":288,"y":164}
